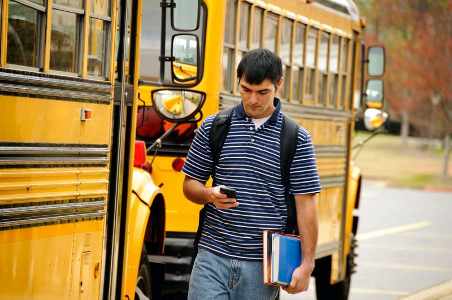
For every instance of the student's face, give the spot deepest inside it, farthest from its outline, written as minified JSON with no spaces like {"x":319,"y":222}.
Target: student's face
{"x":257,"y":99}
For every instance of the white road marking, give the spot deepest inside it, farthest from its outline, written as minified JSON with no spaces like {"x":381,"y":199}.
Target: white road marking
{"x":378,"y":292}
{"x":431,"y":236}
{"x":405,"y":249}
{"x":392,"y":230}
{"x":405,"y":267}
{"x":435,"y":292}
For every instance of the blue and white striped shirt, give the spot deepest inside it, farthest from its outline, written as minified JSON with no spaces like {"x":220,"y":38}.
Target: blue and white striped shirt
{"x":249,"y":163}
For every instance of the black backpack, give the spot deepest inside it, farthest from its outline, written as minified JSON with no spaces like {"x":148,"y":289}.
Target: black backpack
{"x":288,"y":141}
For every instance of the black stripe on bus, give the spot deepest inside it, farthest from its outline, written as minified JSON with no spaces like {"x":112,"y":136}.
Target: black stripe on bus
{"x":53,"y":94}
{"x":22,"y":155}
{"x":332,"y":181}
{"x":330,"y":151}
{"x":36,"y":85}
{"x":48,"y":213}
{"x":74,"y":83}
{"x":19,"y":144}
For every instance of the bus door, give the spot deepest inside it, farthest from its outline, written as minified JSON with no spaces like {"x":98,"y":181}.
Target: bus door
{"x":56,"y":100}
{"x":136,"y":212}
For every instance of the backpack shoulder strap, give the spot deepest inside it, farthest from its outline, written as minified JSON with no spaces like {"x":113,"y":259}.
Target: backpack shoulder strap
{"x":219,"y":132}
{"x":289,"y":138}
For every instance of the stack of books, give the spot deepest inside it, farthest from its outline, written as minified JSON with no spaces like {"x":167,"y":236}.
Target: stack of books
{"x":282,"y":255}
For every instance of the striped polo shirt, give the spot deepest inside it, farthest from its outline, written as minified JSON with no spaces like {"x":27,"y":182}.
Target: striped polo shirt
{"x":249,"y":163}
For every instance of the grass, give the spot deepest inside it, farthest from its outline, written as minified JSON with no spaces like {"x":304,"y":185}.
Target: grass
{"x":416,"y":164}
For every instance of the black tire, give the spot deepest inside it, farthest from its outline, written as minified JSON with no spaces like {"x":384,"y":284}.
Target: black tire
{"x":149,"y":279}
{"x":143,"y":290}
{"x":340,"y":290}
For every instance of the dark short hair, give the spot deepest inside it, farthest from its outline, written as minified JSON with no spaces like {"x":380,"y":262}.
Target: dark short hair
{"x":258,"y":65}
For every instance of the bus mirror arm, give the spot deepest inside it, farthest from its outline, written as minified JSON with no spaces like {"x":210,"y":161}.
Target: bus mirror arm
{"x":158,"y":142}
{"x":360,"y":145}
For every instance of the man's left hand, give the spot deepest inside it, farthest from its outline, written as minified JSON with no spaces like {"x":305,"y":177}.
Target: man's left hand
{"x":300,"y":279}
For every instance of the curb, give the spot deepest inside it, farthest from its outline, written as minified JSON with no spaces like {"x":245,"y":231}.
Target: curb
{"x":442,"y":291}
{"x":438,"y":189}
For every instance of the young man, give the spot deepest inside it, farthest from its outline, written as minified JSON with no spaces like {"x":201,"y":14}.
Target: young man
{"x":229,"y":260}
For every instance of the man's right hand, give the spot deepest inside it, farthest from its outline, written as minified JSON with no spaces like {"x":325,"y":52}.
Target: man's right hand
{"x":221,"y":201}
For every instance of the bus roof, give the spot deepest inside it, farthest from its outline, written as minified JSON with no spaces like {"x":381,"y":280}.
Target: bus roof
{"x":345,"y":6}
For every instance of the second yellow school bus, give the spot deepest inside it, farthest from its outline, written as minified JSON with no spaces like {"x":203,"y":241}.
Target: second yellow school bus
{"x":320,"y":44}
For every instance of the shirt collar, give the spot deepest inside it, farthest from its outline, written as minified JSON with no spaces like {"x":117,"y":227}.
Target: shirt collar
{"x":240,"y":113}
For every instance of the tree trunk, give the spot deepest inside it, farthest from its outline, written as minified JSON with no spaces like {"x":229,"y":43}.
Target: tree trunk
{"x":405,"y":130}
{"x":446,"y":155}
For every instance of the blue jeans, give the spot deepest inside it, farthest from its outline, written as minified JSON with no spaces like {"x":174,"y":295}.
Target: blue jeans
{"x":217,"y":277}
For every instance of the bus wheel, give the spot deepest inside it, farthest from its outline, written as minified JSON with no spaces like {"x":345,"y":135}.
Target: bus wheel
{"x":143,"y":290}
{"x":339,"y":290}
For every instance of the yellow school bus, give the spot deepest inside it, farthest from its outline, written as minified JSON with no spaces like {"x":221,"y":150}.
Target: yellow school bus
{"x":79,"y":211}
{"x":88,"y":87}
{"x":320,"y":43}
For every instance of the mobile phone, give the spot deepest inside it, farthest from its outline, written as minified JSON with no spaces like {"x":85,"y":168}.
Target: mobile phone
{"x":230,"y":192}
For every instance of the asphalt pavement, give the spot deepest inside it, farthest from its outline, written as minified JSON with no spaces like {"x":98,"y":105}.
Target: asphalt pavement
{"x":405,"y":245}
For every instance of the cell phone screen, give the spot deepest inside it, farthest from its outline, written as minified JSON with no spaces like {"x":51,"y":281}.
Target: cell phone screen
{"x":228,"y":192}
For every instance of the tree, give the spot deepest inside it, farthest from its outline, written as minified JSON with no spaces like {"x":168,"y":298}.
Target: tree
{"x":417,"y":37}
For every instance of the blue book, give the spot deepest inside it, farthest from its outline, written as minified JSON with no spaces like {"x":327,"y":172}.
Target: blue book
{"x":282,"y":255}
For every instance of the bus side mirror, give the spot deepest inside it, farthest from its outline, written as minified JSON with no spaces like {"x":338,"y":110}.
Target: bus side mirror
{"x":374,"y":93}
{"x":185,"y":52}
{"x":376,"y":61}
{"x":177,"y":105}
{"x":185,"y":14}
{"x":374,"y":118}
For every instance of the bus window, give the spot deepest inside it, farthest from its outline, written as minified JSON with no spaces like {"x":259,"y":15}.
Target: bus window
{"x":229,"y":42}
{"x":238,"y":58}
{"x":64,"y":48}
{"x":344,"y":51}
{"x":25,"y":31}
{"x":156,"y":63}
{"x":96,"y":47}
{"x":344,"y":55}
{"x":228,"y":55}
{"x":100,"y":7}
{"x":185,"y":53}
{"x":229,"y":34}
{"x":285,"y":91}
{"x":298,"y":59}
{"x":69,"y":3}
{"x":26,"y":38}
{"x":185,"y":49}
{"x":150,"y":40}
{"x":270,"y":28}
{"x":323,"y":67}
{"x":258,"y":14}
{"x":244,"y":25}
{"x":333,"y":68}
{"x":97,"y":41}
{"x":285,"y":54}
{"x":343,"y":91}
{"x":183,"y":15}
{"x":286,"y":39}
{"x":311,"y":50}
